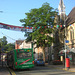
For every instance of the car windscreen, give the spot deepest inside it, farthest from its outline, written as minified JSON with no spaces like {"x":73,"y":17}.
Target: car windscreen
{"x":24,"y":54}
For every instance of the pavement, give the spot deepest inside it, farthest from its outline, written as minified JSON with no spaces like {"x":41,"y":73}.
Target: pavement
{"x":62,"y":67}
{"x":3,"y":69}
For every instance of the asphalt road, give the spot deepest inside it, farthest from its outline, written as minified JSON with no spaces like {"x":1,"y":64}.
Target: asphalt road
{"x":43,"y":70}
{"x":37,"y":70}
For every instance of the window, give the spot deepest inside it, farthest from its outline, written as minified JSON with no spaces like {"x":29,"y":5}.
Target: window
{"x":72,"y":34}
{"x":24,"y":54}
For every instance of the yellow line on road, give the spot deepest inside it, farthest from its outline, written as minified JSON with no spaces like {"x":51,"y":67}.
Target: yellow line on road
{"x":12,"y":72}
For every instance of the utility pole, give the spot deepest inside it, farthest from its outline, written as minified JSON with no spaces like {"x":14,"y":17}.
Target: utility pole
{"x":61,"y":9}
{"x":65,"y":40}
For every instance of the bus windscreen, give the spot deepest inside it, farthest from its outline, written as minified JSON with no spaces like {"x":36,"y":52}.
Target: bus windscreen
{"x":24,"y":54}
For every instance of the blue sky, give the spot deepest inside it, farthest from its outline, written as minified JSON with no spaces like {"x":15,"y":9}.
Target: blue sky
{"x":14,"y":10}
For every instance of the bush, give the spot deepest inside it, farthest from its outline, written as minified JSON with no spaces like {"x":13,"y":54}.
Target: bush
{"x":57,"y":62}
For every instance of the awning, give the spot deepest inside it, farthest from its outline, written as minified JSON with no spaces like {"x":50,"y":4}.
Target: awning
{"x":72,"y":50}
{"x":63,"y":51}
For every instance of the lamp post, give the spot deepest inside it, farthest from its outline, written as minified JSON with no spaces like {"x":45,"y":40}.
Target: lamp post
{"x":65,"y":45}
{"x":65,"y":41}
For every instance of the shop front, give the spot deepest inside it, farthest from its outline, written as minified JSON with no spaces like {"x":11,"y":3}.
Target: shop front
{"x":69,"y":54}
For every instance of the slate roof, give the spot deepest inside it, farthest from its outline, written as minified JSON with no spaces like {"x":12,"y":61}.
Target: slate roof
{"x":71,"y":17}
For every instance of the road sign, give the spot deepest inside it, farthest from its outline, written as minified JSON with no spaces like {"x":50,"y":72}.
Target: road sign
{"x":66,"y":41}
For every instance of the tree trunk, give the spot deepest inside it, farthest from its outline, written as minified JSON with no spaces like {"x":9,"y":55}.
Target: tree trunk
{"x":43,"y":50}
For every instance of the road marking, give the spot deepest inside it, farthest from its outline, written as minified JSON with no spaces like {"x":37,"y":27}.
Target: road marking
{"x":12,"y":72}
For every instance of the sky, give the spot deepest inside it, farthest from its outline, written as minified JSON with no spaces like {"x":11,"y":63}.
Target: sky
{"x":14,"y":10}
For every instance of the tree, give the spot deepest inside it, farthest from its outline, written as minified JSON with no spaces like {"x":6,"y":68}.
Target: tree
{"x":5,"y":46}
{"x":41,"y":20}
{"x":10,"y":47}
{"x":3,"y":42}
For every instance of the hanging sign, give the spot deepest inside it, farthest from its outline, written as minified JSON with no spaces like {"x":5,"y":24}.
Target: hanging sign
{"x":16,"y":28}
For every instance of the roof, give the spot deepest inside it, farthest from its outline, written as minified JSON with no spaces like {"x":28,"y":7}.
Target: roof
{"x":61,"y":3}
{"x":71,"y":17}
{"x":19,"y":41}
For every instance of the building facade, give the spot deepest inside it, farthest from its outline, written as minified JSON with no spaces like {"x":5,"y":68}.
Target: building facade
{"x":69,"y":30}
{"x":66,"y":32}
{"x":19,"y":44}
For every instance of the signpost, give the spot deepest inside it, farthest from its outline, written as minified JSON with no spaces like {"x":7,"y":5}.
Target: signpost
{"x":66,"y":41}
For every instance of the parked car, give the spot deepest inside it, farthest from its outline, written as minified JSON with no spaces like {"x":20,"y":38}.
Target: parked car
{"x":39,"y":62}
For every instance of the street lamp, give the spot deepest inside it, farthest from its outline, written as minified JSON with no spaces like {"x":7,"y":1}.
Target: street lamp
{"x":65,"y":39}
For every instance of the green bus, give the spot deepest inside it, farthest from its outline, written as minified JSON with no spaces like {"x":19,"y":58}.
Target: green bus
{"x":20,"y":58}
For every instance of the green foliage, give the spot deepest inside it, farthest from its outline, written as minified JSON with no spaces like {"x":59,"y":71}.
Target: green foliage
{"x":5,"y":46}
{"x":3,"y":41}
{"x":40,"y":17}
{"x":10,"y":47}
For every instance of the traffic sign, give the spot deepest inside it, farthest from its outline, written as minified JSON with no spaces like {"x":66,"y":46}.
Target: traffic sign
{"x":66,"y":41}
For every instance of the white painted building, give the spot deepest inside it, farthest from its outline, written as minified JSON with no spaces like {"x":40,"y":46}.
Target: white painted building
{"x":29,"y":45}
{"x":25,"y":45}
